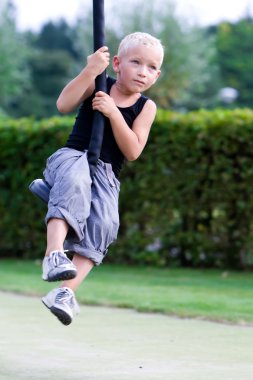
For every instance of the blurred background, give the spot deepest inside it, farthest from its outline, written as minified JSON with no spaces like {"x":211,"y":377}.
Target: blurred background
{"x":185,"y":244}
{"x":188,"y":200}
{"x":207,"y":62}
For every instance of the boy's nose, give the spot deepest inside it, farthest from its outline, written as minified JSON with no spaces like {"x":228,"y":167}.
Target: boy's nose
{"x":142,"y":71}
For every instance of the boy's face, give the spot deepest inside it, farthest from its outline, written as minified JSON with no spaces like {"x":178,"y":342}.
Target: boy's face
{"x":138,"y":68}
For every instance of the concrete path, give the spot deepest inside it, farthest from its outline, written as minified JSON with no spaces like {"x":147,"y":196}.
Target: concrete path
{"x":116,"y":344}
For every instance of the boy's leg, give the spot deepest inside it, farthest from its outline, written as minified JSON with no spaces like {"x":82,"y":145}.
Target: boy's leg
{"x":57,"y":230}
{"x":61,"y":301}
{"x":67,"y":172}
{"x":56,"y":265}
{"x":100,"y":231}
{"x":83,"y":266}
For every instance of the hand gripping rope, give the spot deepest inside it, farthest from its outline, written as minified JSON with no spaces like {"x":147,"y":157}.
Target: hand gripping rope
{"x":39,"y":187}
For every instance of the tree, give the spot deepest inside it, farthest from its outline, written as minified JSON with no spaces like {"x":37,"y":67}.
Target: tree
{"x":14,"y":73}
{"x":235,"y":52}
{"x":203,"y":80}
{"x":51,"y":65}
{"x":49,"y":74}
{"x":57,"y":36}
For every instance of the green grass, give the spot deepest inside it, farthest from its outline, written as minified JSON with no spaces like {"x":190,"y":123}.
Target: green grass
{"x":207,"y":294}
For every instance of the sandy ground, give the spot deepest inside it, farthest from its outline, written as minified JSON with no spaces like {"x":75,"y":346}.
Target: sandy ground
{"x":117,"y":344}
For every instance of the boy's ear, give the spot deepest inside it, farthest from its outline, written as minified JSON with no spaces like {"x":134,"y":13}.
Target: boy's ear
{"x":115,"y":63}
{"x":157,"y":75}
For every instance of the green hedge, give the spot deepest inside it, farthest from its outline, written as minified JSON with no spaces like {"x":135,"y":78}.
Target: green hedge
{"x":24,"y":146}
{"x":187,"y":200}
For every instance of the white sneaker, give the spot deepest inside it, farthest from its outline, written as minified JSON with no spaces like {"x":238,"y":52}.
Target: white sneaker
{"x":57,"y":267}
{"x":62,"y":303}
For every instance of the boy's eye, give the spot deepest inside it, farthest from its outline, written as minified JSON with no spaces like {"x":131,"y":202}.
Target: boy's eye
{"x":135,"y":61}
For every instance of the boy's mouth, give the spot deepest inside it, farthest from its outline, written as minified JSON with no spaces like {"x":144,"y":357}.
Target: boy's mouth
{"x":139,"y":82}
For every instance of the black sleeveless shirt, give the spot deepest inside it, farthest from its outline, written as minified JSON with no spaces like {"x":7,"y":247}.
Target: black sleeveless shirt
{"x":79,"y":138}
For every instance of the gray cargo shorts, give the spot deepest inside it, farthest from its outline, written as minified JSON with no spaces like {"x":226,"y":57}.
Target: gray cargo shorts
{"x":89,"y":208}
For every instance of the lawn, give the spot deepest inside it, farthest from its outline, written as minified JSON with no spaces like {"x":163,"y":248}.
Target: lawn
{"x":208,"y":294}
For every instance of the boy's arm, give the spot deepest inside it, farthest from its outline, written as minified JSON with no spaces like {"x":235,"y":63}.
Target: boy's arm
{"x":82,"y":86}
{"x":131,"y":142}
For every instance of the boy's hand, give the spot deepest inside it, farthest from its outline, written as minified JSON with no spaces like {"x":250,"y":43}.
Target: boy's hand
{"x":98,"y":61}
{"x":104,"y":103}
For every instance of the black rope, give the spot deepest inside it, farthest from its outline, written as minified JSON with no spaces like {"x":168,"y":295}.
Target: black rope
{"x":100,"y":85}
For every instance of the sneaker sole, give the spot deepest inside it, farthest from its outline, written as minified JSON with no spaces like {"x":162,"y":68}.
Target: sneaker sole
{"x":67,"y":275}
{"x":63,"y":317}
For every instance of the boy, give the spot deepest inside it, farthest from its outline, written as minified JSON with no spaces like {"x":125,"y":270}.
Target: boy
{"x":85,"y":213}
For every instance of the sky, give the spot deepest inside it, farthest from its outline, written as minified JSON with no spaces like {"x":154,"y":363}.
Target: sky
{"x":32,"y":14}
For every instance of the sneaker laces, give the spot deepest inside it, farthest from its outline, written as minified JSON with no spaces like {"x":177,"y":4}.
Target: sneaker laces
{"x":58,"y":258}
{"x":65,"y":295}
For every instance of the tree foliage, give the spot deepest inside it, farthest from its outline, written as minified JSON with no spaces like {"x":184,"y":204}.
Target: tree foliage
{"x":13,"y":52}
{"x":235,"y":51}
{"x":198,"y":61}
{"x":51,"y":67}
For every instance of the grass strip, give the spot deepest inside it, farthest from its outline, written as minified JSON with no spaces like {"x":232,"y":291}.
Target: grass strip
{"x":206,"y":294}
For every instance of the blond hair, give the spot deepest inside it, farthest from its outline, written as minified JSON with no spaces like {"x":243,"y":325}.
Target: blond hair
{"x":140,"y":38}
